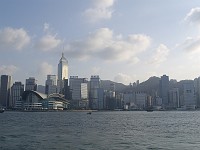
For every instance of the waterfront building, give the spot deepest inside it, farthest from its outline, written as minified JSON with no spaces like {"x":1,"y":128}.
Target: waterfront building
{"x":197,"y":91}
{"x":129,"y":98}
{"x":188,"y":95}
{"x":35,"y":101}
{"x":16,"y":94}
{"x":51,"y":84}
{"x":174,"y":100}
{"x":164,"y":89}
{"x":41,"y":89}
{"x":62,"y":73}
{"x":141,"y":99}
{"x":31,"y":84}
{"x":5,"y":92}
{"x":79,"y":89}
{"x":95,"y":84}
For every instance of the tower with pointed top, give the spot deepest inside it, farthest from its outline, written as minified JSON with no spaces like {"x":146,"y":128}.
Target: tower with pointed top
{"x":62,"y":73}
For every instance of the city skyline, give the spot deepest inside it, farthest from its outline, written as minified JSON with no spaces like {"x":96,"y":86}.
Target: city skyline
{"x":117,"y":40}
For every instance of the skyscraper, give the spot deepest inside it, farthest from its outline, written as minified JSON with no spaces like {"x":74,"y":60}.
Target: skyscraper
{"x":62,"y":72}
{"x":16,"y":92}
{"x":5,"y":93}
{"x":94,"y":95}
{"x":188,"y":95}
{"x":79,"y":89}
{"x":164,"y":89}
{"x":50,"y":85}
{"x":31,"y":84}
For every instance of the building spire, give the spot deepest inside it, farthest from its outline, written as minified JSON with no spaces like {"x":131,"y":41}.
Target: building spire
{"x":62,"y":54}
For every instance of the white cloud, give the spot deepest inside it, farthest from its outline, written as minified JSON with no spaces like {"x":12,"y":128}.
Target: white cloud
{"x":193,"y":16}
{"x":48,"y":43}
{"x":46,"y":27}
{"x":104,"y":44}
{"x":102,"y":9}
{"x":160,"y":55}
{"x":123,"y":78}
{"x":14,"y":38}
{"x":96,"y":70}
{"x":45,"y":69}
{"x":8,"y":70}
{"x":191,"y":45}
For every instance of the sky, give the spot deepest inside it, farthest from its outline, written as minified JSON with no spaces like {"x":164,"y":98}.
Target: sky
{"x":119,"y":40}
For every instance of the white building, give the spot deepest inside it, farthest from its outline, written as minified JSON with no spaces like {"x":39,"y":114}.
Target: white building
{"x":62,"y":73}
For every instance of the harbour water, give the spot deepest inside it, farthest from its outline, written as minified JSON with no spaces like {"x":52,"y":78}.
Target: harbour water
{"x":117,"y":130}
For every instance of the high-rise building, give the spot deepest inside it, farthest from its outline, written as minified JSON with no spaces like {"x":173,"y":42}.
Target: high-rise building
{"x":188,"y":95}
{"x":79,"y":89}
{"x":62,"y":73}
{"x":31,"y":84}
{"x":5,"y":93}
{"x":197,"y":91}
{"x":95,"y":84}
{"x":50,"y":85}
{"x":16,"y":93}
{"x":164,"y":90}
{"x":174,"y":100}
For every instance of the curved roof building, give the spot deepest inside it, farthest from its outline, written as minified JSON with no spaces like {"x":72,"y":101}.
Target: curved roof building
{"x":33,"y":100}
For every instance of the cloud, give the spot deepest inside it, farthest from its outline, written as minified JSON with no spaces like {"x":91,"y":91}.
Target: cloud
{"x":102,"y":9}
{"x":47,"y":43}
{"x":8,"y":70}
{"x":123,"y":78}
{"x":193,"y":16}
{"x":46,"y":27}
{"x":14,"y":38}
{"x":160,"y":55}
{"x":191,"y":45}
{"x":45,"y":69}
{"x":96,"y":70}
{"x":104,"y":44}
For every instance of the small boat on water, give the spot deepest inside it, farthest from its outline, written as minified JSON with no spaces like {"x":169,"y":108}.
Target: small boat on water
{"x":149,"y":109}
{"x":1,"y":110}
{"x":89,"y":113}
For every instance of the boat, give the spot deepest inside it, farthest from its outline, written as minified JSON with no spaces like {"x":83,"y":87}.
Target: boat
{"x":1,"y":110}
{"x":89,"y":113}
{"x":149,"y":109}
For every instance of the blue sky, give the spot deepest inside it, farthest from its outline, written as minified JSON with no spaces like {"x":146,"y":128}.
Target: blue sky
{"x":120,"y":40}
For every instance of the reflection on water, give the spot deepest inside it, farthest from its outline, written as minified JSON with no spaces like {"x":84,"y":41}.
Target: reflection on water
{"x":101,"y":130}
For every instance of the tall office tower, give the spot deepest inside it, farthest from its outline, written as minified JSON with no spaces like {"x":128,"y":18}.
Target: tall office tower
{"x":66,"y":90}
{"x":197,"y":91}
{"x":79,"y":89}
{"x":174,"y":100}
{"x":16,"y":92}
{"x":5,"y":93}
{"x":95,"y":84}
{"x":164,"y":90}
{"x":62,"y":73}
{"x":188,"y":95}
{"x":50,"y":85}
{"x":31,"y":84}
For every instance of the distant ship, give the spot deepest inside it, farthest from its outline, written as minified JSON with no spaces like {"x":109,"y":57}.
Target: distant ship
{"x":89,"y":113}
{"x":149,"y":109}
{"x":1,"y":110}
